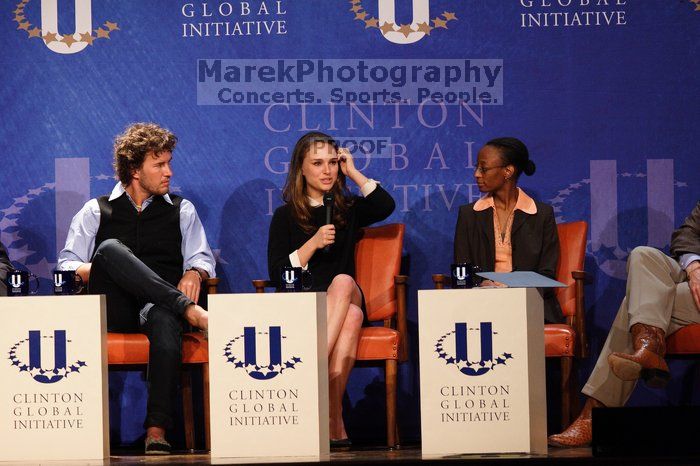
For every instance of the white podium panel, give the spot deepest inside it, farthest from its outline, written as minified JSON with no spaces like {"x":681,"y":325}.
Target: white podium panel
{"x":269,"y":375}
{"x":482,"y":371}
{"x":53,"y":394}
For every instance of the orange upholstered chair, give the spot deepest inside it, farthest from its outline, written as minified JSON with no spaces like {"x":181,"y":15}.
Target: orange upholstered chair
{"x":566,"y":341}
{"x":131,"y":350}
{"x":685,"y":342}
{"x":377,"y":264}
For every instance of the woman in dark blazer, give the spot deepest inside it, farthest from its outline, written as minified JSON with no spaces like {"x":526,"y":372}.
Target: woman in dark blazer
{"x":506,"y":230}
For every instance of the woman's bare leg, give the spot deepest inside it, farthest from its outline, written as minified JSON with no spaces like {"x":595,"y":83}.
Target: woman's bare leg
{"x":345,"y":319}
{"x":342,"y":292}
{"x":340,"y":363}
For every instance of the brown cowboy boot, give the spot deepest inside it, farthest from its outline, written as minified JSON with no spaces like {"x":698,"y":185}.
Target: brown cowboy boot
{"x":647,"y":361}
{"x":580,"y":432}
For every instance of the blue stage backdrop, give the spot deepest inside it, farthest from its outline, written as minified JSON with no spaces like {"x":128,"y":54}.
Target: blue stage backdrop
{"x":603,"y":92}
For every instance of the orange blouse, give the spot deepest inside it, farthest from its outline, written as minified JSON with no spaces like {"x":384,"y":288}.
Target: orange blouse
{"x":504,"y":249}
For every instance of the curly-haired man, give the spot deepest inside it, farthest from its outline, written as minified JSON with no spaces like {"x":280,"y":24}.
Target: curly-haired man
{"x":146,"y":250}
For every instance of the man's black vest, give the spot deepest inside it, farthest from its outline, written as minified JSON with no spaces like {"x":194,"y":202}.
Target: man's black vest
{"x":153,"y":236}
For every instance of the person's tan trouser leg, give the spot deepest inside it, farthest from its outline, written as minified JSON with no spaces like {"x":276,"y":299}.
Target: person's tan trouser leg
{"x":658,"y":295}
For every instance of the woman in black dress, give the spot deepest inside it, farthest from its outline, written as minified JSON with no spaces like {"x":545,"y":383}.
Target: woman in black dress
{"x":299,"y":237}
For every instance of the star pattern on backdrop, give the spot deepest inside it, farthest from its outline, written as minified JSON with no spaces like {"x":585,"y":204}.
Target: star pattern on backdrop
{"x":24,"y":24}
{"x":10,"y":232}
{"x":370,"y":21}
{"x":16,"y":244}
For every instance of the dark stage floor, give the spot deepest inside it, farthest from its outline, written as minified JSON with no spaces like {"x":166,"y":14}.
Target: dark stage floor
{"x":403,"y":456}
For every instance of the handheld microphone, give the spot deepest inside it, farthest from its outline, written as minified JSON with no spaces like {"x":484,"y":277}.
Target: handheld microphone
{"x":328,"y":202}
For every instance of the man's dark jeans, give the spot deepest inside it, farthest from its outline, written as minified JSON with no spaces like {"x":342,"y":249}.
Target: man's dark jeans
{"x":129,"y":285}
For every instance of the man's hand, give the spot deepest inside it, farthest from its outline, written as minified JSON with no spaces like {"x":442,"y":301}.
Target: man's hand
{"x":693,"y":271}
{"x":84,"y":272}
{"x":190,"y":284}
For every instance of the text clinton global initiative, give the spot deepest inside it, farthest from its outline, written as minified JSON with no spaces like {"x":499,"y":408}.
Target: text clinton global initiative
{"x":263,"y":407}
{"x":47,"y":411}
{"x":475,"y":403}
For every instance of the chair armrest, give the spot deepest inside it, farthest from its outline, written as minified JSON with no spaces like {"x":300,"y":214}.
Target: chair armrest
{"x":211,"y":285}
{"x":401,"y":324}
{"x":439,"y":280}
{"x":581,"y":275}
{"x":579,"y":324}
{"x":260,"y":285}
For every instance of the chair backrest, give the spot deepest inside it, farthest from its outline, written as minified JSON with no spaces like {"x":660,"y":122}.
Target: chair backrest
{"x":377,"y":262}
{"x":572,"y":252}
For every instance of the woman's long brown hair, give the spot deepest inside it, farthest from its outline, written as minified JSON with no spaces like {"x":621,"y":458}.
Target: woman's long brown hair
{"x":294,"y":192}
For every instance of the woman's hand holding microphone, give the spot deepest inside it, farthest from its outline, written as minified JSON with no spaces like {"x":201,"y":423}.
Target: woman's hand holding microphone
{"x":325,"y":236}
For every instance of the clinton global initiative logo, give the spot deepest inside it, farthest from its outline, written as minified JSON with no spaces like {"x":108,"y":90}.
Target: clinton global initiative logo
{"x":385,"y":20}
{"x":27,"y":356}
{"x":243,"y":352}
{"x":46,"y":15}
{"x":456,"y":349}
{"x":644,"y":214}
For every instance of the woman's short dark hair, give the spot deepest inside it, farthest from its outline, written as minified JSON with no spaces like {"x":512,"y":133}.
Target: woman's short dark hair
{"x":514,"y":152}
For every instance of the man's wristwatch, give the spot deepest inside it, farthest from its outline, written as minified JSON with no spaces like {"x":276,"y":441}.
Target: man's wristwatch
{"x":199,"y":272}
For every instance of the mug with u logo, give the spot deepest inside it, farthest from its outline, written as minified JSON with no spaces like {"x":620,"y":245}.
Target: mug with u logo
{"x":293,"y":279}
{"x":17,"y":282}
{"x":67,"y":282}
{"x":464,"y":275}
